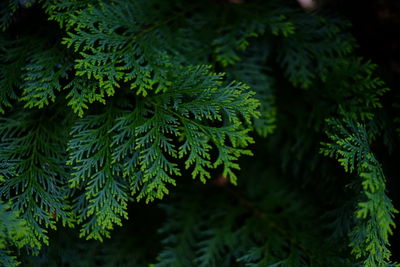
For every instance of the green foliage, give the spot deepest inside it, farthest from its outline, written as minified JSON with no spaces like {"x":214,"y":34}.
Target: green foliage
{"x":68,"y":249}
{"x":141,"y":143}
{"x":374,"y":211}
{"x":185,"y":114}
{"x":318,"y":45}
{"x":42,"y":77}
{"x":251,"y":70}
{"x":13,"y":232}
{"x":208,"y":233}
{"x":83,"y":92}
{"x":34,"y":150}
{"x":7,"y":10}
{"x":234,"y":37}
{"x":13,"y":229}
{"x":105,"y":199}
{"x":13,"y":56}
{"x":146,"y":108}
{"x":358,"y":88}
{"x":112,"y":58}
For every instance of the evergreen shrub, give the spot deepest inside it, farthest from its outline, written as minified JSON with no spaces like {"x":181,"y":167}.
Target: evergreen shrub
{"x":190,"y":133}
